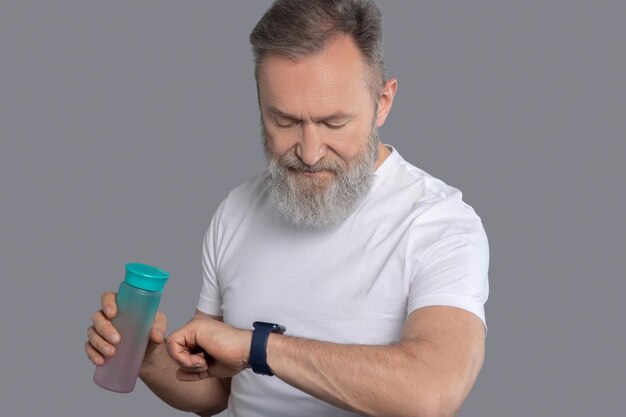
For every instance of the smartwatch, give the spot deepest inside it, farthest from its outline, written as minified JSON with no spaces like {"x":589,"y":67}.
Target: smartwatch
{"x":258,"y":348}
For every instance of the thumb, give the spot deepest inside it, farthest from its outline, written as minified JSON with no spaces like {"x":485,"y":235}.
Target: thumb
{"x":159,"y":327}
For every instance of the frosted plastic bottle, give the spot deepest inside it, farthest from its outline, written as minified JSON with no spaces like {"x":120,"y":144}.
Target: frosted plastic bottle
{"x":137,"y":303}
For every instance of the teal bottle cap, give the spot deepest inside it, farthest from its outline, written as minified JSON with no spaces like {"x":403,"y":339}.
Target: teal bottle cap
{"x":146,"y":277}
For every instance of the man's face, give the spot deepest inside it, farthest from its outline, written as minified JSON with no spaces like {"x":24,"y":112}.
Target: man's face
{"x":319,"y":129}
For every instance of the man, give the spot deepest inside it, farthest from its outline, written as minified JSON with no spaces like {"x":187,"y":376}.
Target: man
{"x":377,"y":270}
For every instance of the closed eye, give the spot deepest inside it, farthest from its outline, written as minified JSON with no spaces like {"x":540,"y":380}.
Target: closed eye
{"x":335,"y":125}
{"x":286,"y":123}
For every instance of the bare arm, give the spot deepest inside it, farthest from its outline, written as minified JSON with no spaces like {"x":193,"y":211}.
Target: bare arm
{"x":158,"y":371}
{"x":428,"y":373}
{"x":161,"y":374}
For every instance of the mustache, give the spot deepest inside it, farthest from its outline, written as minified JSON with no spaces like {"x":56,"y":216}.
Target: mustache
{"x":291,"y":161}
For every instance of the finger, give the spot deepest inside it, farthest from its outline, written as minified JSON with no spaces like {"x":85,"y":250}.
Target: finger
{"x":109,"y":306}
{"x":185,"y":376}
{"x":157,"y":334}
{"x":198,"y":361}
{"x":191,"y":362}
{"x":99,"y":343}
{"x":182,"y":348}
{"x":93,"y":355}
{"x":105,"y":328}
{"x":178,"y":350}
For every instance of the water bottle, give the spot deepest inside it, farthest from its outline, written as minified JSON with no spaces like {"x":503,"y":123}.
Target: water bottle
{"x":137,"y":303}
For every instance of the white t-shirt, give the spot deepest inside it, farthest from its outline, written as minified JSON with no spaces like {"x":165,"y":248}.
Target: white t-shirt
{"x":412,"y":242}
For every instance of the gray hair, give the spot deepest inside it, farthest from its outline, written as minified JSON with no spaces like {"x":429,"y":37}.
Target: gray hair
{"x":297,"y":28}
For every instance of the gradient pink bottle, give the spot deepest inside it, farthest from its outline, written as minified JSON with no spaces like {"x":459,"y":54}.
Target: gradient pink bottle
{"x":137,"y":304}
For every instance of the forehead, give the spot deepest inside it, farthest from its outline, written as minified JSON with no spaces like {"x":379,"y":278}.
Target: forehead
{"x":331,"y":80}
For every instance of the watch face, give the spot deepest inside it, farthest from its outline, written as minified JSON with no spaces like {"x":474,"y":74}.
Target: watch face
{"x":274,"y":328}
{"x":279,"y":329}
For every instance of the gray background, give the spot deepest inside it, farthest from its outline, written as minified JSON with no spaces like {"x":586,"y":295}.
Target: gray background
{"x":123,"y":125}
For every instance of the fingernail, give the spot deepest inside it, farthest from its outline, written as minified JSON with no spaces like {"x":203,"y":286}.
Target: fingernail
{"x":108,"y":350}
{"x":108,"y":311}
{"x":115,"y":338}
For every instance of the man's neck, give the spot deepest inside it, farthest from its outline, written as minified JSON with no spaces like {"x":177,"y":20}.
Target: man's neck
{"x":383,"y":153}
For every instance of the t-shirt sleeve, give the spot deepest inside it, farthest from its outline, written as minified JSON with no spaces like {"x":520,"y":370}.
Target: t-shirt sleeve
{"x":449,"y":254}
{"x":210,"y":299}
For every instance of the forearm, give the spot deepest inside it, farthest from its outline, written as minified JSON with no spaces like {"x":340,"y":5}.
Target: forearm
{"x":394,"y":380}
{"x":208,"y":396}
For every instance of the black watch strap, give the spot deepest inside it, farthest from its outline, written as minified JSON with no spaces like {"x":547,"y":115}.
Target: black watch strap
{"x":258,"y":348}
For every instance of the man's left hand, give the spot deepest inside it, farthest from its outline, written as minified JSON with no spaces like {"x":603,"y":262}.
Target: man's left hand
{"x":205,"y":348}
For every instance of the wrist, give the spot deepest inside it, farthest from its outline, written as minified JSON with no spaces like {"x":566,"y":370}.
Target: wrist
{"x":245,"y":348}
{"x":258,"y":346}
{"x":273,"y":343}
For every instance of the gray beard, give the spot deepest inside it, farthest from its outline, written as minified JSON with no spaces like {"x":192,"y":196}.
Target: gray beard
{"x":308,"y":203}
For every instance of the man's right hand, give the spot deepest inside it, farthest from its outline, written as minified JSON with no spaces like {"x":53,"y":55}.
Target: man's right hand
{"x":158,"y":371}
{"x":103,"y":336}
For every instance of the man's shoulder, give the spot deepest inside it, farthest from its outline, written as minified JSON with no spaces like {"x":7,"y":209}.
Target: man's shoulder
{"x":416,"y":185}
{"x":409,"y":192}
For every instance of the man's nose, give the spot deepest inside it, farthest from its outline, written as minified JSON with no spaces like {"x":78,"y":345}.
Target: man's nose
{"x":311,"y":148}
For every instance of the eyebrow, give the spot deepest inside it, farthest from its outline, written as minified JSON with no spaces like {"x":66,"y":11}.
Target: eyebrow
{"x":340,"y":115}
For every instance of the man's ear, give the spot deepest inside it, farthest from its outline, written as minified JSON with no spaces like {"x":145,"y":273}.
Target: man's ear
{"x":386,"y":101}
